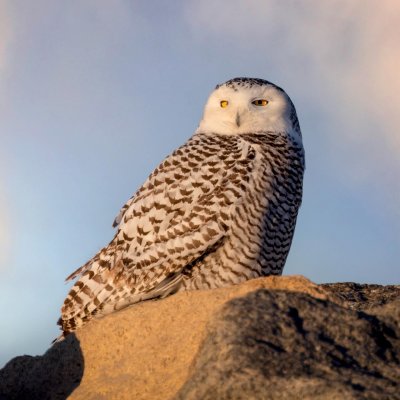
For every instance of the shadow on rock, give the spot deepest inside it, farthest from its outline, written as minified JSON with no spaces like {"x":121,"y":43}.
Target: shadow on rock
{"x":54,"y":375}
{"x":285,"y":345}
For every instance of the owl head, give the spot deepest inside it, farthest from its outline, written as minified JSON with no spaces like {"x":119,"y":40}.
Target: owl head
{"x":249,"y":105}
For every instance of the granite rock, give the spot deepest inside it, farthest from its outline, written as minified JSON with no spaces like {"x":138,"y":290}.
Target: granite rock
{"x":270,"y":336}
{"x":285,"y":345}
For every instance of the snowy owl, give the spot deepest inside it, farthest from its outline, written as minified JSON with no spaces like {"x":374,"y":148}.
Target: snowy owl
{"x":221,"y":209}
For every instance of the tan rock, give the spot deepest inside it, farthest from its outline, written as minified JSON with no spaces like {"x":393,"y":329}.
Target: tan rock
{"x":277,"y":339}
{"x":144,"y":351}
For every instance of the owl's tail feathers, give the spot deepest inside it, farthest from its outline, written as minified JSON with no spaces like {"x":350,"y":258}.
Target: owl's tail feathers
{"x":107,"y":285}
{"x":100,"y":291}
{"x":97,"y":285}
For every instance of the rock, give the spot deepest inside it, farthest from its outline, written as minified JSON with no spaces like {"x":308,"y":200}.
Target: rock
{"x":363,"y":297}
{"x":54,"y":375}
{"x":284,"y":345}
{"x":145,"y":351}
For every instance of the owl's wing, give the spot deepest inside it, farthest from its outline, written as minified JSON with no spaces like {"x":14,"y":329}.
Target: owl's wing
{"x":181,"y":212}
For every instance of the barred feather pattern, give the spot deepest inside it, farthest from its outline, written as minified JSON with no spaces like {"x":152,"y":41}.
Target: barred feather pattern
{"x":220,"y":210}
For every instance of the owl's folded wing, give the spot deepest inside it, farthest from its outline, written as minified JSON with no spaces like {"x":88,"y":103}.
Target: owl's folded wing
{"x":181,"y":212}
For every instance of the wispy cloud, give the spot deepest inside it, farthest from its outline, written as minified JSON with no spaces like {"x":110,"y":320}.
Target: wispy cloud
{"x":5,"y":33}
{"x":349,"y":54}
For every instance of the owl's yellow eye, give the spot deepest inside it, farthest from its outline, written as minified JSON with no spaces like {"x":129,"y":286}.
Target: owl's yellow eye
{"x":260,"y":102}
{"x":224,"y":103}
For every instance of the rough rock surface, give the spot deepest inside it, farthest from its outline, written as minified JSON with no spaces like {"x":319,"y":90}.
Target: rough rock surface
{"x":363,"y":297}
{"x":51,"y":376}
{"x":149,"y":351}
{"x":283,"y":345}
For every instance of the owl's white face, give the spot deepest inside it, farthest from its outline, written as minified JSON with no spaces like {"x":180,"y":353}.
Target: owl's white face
{"x":237,"y":108}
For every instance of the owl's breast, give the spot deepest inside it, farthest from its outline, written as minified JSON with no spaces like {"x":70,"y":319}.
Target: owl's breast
{"x":264,"y":221}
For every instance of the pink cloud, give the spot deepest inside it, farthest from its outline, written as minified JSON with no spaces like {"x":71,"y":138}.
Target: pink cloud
{"x":5,"y":32}
{"x":350,"y":49}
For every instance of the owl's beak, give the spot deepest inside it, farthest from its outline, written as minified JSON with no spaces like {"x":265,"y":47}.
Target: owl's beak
{"x":237,"y":119}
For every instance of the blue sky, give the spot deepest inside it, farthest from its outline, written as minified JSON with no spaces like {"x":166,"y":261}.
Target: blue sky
{"x":93,"y":94}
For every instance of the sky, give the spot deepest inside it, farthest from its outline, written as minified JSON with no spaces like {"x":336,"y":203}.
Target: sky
{"x":95,"y":93}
